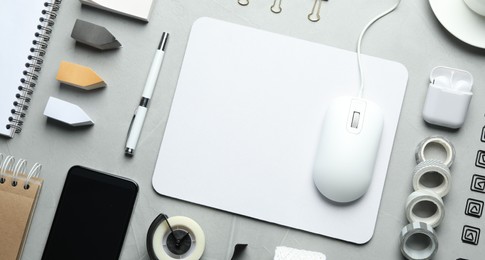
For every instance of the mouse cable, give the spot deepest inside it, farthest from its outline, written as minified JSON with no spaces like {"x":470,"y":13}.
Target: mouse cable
{"x":359,"y":43}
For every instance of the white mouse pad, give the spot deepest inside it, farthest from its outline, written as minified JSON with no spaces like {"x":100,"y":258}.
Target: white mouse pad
{"x":245,"y":122}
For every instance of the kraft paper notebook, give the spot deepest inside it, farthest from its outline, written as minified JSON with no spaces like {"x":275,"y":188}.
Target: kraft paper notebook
{"x":19,"y":191}
{"x":245,"y":122}
{"x":27,"y":25}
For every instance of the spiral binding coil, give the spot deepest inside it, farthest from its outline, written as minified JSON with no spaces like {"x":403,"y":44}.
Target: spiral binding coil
{"x":33,"y":65}
{"x":17,"y":171}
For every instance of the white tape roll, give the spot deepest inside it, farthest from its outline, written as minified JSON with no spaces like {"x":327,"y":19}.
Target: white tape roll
{"x":450,"y":150}
{"x":425,"y":201}
{"x":191,"y":238}
{"x":432,"y":169}
{"x":418,"y":241}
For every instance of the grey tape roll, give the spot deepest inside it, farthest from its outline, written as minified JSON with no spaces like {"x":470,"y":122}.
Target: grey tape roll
{"x":418,"y":241}
{"x":450,"y":150}
{"x":428,"y":167}
{"x":420,"y":198}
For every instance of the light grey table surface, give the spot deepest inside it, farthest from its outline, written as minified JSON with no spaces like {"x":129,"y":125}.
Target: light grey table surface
{"x":411,"y":35}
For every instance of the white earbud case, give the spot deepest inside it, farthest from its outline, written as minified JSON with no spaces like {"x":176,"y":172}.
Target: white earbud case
{"x":448,"y":98}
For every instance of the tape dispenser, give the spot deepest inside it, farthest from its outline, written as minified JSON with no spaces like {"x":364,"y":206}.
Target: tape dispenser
{"x":175,"y":238}
{"x":448,"y":98}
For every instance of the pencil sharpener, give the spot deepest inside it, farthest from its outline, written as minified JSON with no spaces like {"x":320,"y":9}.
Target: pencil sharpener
{"x":449,"y":95}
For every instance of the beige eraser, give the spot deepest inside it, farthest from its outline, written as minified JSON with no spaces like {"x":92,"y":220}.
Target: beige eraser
{"x":79,"y":76}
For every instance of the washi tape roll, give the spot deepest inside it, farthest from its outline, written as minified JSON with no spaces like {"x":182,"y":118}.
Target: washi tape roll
{"x":175,"y":238}
{"x":450,"y":150}
{"x":432,"y":169}
{"x":418,"y":241}
{"x":425,"y":206}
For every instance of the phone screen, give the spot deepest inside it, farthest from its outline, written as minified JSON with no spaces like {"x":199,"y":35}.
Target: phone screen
{"x":92,"y":216}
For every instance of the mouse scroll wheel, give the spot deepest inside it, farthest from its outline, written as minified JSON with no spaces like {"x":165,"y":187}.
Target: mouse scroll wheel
{"x":355,"y":119}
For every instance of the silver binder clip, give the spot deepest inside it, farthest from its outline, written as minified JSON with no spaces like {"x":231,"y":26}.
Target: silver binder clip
{"x":276,"y":7}
{"x":314,"y":16}
{"x":243,"y":2}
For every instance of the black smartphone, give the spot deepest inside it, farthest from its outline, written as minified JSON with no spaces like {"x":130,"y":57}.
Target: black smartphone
{"x":92,"y":216}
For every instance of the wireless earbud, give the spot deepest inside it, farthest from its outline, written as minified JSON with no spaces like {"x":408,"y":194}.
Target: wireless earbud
{"x":441,"y":81}
{"x":462,"y":85}
{"x":456,"y":80}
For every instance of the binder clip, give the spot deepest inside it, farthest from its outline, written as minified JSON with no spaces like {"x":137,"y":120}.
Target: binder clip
{"x":448,"y":98}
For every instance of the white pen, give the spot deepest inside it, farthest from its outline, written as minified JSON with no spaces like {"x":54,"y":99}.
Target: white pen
{"x":141,"y":110}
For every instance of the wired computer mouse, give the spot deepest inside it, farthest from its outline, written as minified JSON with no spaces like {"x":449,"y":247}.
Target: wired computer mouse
{"x":348,"y":148}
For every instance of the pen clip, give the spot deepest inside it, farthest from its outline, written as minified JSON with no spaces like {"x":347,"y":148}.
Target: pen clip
{"x":131,"y":124}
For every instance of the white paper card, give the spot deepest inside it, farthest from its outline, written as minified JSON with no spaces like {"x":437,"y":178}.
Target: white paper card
{"x":288,"y":253}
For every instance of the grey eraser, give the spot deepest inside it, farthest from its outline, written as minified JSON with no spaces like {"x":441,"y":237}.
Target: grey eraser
{"x":94,"y":35}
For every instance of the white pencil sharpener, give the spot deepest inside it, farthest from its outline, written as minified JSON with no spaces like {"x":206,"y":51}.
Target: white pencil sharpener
{"x":448,"y":98}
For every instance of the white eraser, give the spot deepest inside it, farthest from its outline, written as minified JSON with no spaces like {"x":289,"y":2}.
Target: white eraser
{"x":66,"y":112}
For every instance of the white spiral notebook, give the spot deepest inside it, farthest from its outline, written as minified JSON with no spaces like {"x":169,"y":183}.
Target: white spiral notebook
{"x":27,"y":25}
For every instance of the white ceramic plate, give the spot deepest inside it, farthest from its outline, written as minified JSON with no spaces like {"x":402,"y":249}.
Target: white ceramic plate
{"x":460,"y":21}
